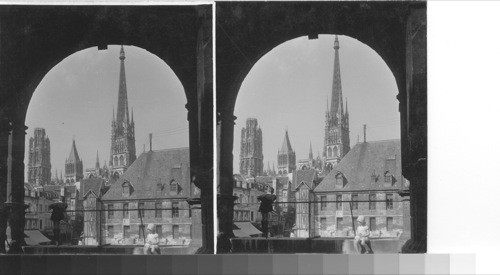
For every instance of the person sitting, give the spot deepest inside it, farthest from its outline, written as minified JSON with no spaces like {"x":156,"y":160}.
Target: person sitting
{"x":152,"y":242}
{"x":362,"y":239}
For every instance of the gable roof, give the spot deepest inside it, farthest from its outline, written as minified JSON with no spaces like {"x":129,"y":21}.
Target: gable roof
{"x":307,"y":176}
{"x":361,"y":162}
{"x":149,"y":169}
{"x":95,"y":185}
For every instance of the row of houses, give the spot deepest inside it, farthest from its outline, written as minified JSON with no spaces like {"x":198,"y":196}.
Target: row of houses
{"x":367,"y":181}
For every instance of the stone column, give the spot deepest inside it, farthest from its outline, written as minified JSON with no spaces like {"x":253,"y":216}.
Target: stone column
{"x":225,"y":198}
{"x":15,"y":185}
{"x":414,"y":130}
{"x":4,"y":213}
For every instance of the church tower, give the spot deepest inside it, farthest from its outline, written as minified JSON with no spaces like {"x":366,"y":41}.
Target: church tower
{"x":39,"y":158}
{"x":122,"y":129}
{"x":251,"y":157}
{"x":74,"y":166}
{"x":337,"y":142}
{"x":286,"y":157}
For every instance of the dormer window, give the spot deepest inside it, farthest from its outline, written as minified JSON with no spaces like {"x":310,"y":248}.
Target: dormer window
{"x":173,"y":187}
{"x":373,"y":177}
{"x":388,"y":178}
{"x":159,"y":186}
{"x":126,"y":189}
{"x":339,"y":180}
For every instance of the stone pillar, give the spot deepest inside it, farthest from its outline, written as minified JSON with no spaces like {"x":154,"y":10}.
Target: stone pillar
{"x":4,"y":213}
{"x":15,"y":186}
{"x":414,"y":130}
{"x":225,"y":198}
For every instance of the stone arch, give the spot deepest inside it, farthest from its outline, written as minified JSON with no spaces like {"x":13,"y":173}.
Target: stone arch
{"x":402,"y":47}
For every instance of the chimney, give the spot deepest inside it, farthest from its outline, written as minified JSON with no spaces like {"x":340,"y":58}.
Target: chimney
{"x":150,"y":141}
{"x":364,"y":133}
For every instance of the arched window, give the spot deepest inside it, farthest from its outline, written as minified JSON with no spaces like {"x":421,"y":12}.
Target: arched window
{"x":329,"y":152}
{"x":284,"y":172}
{"x":116,"y":161}
{"x":335,"y":152}
{"x":339,"y":180}
{"x":121,"y":160}
{"x":335,"y":136}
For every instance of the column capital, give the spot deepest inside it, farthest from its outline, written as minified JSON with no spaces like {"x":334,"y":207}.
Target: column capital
{"x":226,"y":118}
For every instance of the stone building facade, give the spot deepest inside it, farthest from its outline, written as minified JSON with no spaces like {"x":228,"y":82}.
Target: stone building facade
{"x":251,"y":157}
{"x":337,"y":142}
{"x":154,"y":189}
{"x":39,"y":166}
{"x":122,"y":153}
{"x":367,"y":182}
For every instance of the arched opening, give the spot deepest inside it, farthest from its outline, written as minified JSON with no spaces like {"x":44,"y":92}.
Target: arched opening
{"x":311,"y":19}
{"x":133,"y":93}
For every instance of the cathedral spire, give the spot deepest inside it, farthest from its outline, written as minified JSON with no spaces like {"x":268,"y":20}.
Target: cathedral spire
{"x":122,"y":111}
{"x":310,"y":151}
{"x":286,"y":147}
{"x":336,"y":100}
{"x":97,"y":165}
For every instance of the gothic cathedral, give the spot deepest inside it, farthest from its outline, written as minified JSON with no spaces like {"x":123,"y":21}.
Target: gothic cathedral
{"x":39,"y":158}
{"x":337,"y":142}
{"x":251,"y":157}
{"x":122,"y":129}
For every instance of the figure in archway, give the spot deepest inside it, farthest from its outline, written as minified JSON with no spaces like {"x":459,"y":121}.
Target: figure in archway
{"x":266,"y":206}
{"x":58,"y":211}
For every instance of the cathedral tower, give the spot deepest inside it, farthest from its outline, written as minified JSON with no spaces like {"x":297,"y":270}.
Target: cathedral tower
{"x":39,"y":158}
{"x":286,"y":157}
{"x":122,"y":129}
{"x":251,"y":158}
{"x":337,"y":142}
{"x":74,"y":166}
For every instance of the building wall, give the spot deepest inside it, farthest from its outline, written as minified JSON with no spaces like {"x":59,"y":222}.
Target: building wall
{"x":183,"y":225}
{"x":331,"y":213}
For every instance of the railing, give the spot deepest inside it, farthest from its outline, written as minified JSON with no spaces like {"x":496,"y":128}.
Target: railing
{"x":101,"y":225}
{"x":324,"y":217}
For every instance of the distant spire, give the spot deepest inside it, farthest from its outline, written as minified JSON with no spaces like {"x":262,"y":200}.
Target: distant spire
{"x":286,"y":147}
{"x":310,"y":151}
{"x":122,"y":115}
{"x":346,"y":108}
{"x":97,"y":165}
{"x":73,"y":154}
{"x":113,"y":113}
{"x":132,"y":115}
{"x":336,"y":100}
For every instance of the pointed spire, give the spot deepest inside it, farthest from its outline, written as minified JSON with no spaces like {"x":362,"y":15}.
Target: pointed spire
{"x":132,"y":115}
{"x":122,"y":115}
{"x":73,"y":154}
{"x":97,"y":165}
{"x":310,"y":151}
{"x":346,"y":108}
{"x":336,"y":100}
{"x":286,"y":147}
{"x":113,"y":113}
{"x":327,"y":109}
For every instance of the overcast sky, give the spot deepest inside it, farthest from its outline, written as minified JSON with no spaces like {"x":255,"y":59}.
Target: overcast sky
{"x":288,"y":88}
{"x":76,"y":99}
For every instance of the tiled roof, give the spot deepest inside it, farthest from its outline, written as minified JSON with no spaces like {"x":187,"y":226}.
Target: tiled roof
{"x":307,"y":176}
{"x":95,"y":185}
{"x":364,"y":160}
{"x":149,"y":169}
{"x":264,"y":179}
